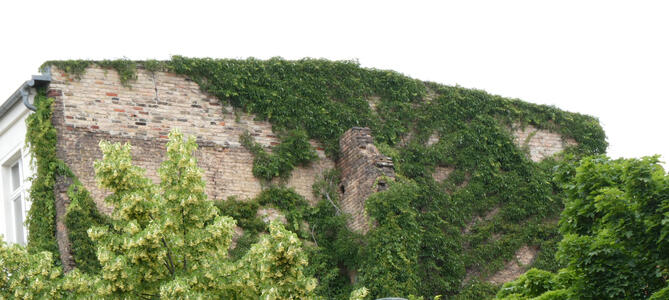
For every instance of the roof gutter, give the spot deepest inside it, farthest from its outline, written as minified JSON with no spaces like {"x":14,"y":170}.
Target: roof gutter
{"x":23,"y":92}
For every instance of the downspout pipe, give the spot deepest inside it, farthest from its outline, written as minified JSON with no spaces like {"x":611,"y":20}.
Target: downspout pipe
{"x":23,"y":92}
{"x":37,"y":80}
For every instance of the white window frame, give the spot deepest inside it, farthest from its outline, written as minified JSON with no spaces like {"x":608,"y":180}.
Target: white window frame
{"x":13,"y":198}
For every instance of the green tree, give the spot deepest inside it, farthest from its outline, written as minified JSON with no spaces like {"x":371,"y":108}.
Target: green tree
{"x":615,"y":226}
{"x":162,"y":241}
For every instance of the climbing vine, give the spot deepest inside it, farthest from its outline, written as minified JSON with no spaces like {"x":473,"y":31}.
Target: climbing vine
{"x":81,"y":215}
{"x":431,"y":237}
{"x":126,"y":69}
{"x":333,"y":250}
{"x":294,"y":150}
{"x":41,"y":138}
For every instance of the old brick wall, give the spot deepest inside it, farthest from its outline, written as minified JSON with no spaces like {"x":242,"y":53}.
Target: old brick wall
{"x":97,"y":107}
{"x":362,"y":166}
{"x":540,"y":143}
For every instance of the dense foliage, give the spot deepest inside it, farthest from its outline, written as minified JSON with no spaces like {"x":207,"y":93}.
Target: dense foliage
{"x":41,"y":137}
{"x":431,"y":237}
{"x":81,"y":215}
{"x":332,"y":249}
{"x":163,"y":241}
{"x":616,"y":235}
{"x":294,"y":150}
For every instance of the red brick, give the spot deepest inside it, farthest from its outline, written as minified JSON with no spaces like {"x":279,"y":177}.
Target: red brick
{"x":228,"y":168}
{"x":361,"y":166}
{"x":54,"y":93}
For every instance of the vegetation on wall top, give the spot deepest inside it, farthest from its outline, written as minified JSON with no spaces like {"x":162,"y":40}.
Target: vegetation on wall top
{"x":325,"y":98}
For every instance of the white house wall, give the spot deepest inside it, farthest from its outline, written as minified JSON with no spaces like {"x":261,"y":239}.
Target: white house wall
{"x":12,"y":146}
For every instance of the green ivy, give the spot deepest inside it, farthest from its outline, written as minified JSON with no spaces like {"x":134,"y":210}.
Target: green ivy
{"x":41,"y":140}
{"x":126,"y":69}
{"x":389,"y":268}
{"x":476,"y":290}
{"x":322,"y":97}
{"x":293,"y":206}
{"x":333,"y":250}
{"x":81,"y":214}
{"x":244,"y":212}
{"x":335,"y":258}
{"x":428,"y":233}
{"x":294,"y":150}
{"x":289,"y":202}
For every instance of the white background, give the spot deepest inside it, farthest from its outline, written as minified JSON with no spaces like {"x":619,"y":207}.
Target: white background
{"x":609,"y":59}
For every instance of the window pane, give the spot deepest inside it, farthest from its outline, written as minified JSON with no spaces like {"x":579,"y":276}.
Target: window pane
{"x":16,"y":177}
{"x":18,"y":221}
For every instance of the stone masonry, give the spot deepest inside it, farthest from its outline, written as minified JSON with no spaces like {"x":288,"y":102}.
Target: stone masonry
{"x":97,"y":107}
{"x":363,"y":169}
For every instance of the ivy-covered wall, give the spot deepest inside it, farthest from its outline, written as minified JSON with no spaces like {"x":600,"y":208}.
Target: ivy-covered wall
{"x":429,"y":237}
{"x":61,"y":210}
{"x":98,"y":107}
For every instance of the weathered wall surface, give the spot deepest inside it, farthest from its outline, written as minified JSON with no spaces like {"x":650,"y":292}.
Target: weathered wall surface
{"x":540,"y":143}
{"x":361,"y":166}
{"x":97,"y":107}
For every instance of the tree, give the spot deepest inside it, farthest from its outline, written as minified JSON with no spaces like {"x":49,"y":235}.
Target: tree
{"x":163,"y":241}
{"x":616,"y":234}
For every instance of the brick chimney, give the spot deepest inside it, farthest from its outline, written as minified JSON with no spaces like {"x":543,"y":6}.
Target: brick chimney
{"x":364,"y":171}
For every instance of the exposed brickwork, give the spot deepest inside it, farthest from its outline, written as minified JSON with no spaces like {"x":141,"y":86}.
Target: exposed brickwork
{"x":513,"y":269}
{"x":540,"y":143}
{"x":441,"y":173}
{"x":62,"y":237}
{"x":97,"y":107}
{"x":361,"y":166}
{"x":433,"y":139}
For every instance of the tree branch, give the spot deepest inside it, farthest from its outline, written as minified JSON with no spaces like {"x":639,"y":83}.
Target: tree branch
{"x":170,"y":261}
{"x":312,"y":235}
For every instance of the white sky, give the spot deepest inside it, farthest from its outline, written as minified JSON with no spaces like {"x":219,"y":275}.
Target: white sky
{"x":609,"y":59}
